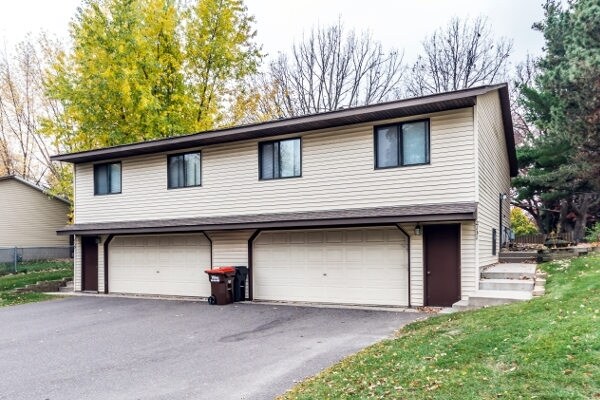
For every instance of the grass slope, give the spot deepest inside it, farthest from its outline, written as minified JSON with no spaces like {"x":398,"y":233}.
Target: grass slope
{"x":30,"y":266}
{"x":548,"y":348}
{"x":10,"y":282}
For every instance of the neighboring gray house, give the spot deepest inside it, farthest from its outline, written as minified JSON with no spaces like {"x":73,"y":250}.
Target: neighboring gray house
{"x":29,"y":216}
{"x":389,"y":204}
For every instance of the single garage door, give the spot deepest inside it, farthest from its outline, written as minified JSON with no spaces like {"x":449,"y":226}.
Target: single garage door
{"x":351,"y":266}
{"x":159,"y":264}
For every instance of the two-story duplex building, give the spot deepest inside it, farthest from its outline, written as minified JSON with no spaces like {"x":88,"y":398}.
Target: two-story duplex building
{"x":397,"y":203}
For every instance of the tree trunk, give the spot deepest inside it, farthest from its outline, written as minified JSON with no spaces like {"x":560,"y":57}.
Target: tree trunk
{"x":561,"y":227}
{"x":586,"y":201}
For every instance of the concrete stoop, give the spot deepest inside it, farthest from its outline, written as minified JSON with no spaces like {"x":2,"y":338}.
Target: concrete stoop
{"x":67,"y":288}
{"x":503,"y":284}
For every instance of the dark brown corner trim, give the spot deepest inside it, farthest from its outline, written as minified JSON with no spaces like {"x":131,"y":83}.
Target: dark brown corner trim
{"x":251,"y":264}
{"x":211,"y":247}
{"x":106,"y":247}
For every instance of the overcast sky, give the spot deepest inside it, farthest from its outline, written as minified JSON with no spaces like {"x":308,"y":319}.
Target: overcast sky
{"x":401,"y":24}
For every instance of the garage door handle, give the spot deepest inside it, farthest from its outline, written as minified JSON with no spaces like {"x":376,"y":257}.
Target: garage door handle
{"x":325,"y":274}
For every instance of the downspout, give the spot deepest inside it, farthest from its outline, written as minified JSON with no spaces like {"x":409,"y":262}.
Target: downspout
{"x":250,"y":262}
{"x":106,"y":243}
{"x":408,"y":242}
{"x":501,"y":198}
{"x":211,"y":247}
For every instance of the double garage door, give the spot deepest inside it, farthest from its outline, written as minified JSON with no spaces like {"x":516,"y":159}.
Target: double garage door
{"x":159,"y":264}
{"x":350,"y":266}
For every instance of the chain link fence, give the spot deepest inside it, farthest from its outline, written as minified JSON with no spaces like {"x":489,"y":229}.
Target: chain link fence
{"x":23,"y":259}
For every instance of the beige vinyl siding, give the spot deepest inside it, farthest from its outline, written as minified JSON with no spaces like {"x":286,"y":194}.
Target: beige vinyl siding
{"x":417,"y":293}
{"x":77,"y":264}
{"x":468,"y":265}
{"x":337,"y":173}
{"x":101,"y":264}
{"x":229,"y":247}
{"x":493,"y":171}
{"x":30,"y":218}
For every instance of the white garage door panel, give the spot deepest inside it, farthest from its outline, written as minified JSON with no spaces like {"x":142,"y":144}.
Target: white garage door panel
{"x":163,"y":265}
{"x":352,"y":266}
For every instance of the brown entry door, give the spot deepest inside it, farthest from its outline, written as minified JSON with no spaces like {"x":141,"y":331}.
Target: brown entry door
{"x":442,"y":264}
{"x":89,"y":263}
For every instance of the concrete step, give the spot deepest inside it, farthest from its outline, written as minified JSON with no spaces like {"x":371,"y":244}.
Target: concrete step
{"x":506,"y":284}
{"x":483,"y":298}
{"x":540,"y":285}
{"x":509,"y":271}
{"x":461,"y":305}
{"x":67,"y":288}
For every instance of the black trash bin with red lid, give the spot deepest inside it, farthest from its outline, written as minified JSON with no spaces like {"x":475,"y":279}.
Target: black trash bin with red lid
{"x":221,"y":285}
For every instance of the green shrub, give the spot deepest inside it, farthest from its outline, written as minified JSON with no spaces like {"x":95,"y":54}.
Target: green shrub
{"x":520,"y":223}
{"x":593,"y":233}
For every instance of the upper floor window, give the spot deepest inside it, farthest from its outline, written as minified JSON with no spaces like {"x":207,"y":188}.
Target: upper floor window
{"x":280,"y":159}
{"x":402,"y":144}
{"x":107,"y":178}
{"x":184,"y":170}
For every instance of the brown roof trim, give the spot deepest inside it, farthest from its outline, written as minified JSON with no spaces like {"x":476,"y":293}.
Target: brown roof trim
{"x":395,"y":109}
{"x":330,"y":218}
{"x":33,"y":186}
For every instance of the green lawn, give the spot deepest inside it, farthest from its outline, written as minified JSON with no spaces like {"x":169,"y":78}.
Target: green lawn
{"x":29,"y":266}
{"x":46,"y":271}
{"x":548,"y":348}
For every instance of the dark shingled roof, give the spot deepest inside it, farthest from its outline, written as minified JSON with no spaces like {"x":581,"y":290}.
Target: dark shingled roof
{"x":330,"y":218}
{"x":356,"y":115}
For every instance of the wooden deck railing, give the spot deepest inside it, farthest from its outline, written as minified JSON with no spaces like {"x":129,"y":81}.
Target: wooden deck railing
{"x":541,"y":238}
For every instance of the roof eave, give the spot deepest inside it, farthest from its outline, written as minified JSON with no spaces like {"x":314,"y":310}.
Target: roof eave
{"x":297,"y":224}
{"x":402,"y":108}
{"x":509,"y":134}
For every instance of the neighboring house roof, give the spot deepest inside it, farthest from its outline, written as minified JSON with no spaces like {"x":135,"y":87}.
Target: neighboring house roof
{"x":395,"y":109}
{"x":33,"y":186}
{"x":330,"y":218}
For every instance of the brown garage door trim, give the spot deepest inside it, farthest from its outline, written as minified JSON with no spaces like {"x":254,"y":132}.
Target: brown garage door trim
{"x":106,"y":244}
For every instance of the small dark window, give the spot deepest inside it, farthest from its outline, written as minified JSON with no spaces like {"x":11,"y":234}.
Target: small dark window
{"x":107,"y":178}
{"x":184,"y":170}
{"x":493,"y":241}
{"x":280,"y":159}
{"x":402,"y":144}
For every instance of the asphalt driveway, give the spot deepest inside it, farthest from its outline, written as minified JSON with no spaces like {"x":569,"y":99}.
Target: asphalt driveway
{"x":117,"y":348}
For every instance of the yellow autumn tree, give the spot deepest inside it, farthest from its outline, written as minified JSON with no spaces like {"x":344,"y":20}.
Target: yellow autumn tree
{"x":147,"y":69}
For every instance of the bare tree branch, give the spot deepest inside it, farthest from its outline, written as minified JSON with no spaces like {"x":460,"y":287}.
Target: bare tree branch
{"x":24,"y":151}
{"x":461,"y":55}
{"x":330,"y":69}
